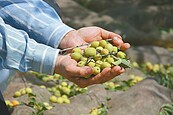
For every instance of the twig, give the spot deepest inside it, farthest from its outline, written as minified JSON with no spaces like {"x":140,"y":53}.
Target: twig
{"x":87,"y":44}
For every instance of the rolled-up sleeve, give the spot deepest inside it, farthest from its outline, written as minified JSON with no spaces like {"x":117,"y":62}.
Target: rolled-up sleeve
{"x":37,"y":18}
{"x":18,"y":51}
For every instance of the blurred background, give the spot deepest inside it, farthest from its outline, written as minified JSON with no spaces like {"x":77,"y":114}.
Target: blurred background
{"x":140,"y":22}
{"x":146,"y":24}
{"x":144,"y":89}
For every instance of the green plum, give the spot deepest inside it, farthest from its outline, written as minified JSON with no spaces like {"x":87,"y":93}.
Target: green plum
{"x":96,"y":70}
{"x":77,"y":49}
{"x":81,"y":63}
{"x":109,"y":47}
{"x":105,"y":65}
{"x":95,"y":44}
{"x":89,"y":52}
{"x":76,"y":56}
{"x":103,"y":43}
{"x":121,"y":54}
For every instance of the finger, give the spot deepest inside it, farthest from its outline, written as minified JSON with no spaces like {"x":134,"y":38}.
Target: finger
{"x":107,"y":34}
{"x":108,"y":75}
{"x":125,"y":46}
{"x":99,"y":77}
{"x":84,"y":82}
{"x":117,"y":41}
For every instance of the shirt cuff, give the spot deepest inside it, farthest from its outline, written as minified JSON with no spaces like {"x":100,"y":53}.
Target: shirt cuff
{"x":58,"y":34}
{"x":44,"y":59}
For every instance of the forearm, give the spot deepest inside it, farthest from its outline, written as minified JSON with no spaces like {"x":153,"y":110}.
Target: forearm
{"x":37,"y":18}
{"x":18,"y":51}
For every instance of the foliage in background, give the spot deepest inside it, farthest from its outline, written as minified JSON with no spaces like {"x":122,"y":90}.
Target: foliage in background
{"x":64,"y":88}
{"x":39,"y":107}
{"x":162,"y":73}
{"x":164,"y":76}
{"x":166,"y":109}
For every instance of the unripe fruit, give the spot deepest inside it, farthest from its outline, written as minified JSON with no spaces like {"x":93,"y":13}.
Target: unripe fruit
{"x":121,"y":54}
{"x":28,"y":90}
{"x":98,"y":63}
{"x":109,"y":47}
{"x":110,"y":59}
{"x":23,"y":91}
{"x":59,"y":100}
{"x":135,"y":64}
{"x":45,"y":79}
{"x":66,"y":100}
{"x":51,"y":77}
{"x":103,"y":59}
{"x":81,"y":63}
{"x":17,"y":94}
{"x":149,"y":66}
{"x":103,"y":43}
{"x":95,"y":44}
{"x":64,"y":96}
{"x":77,"y":50}
{"x":99,"y":48}
{"x":91,"y":64}
{"x":114,"y":49}
{"x":111,"y":85}
{"x":66,"y":90}
{"x":64,"y":84}
{"x":83,"y":59}
{"x":89,"y":52}
{"x":104,"y":52}
{"x":54,"y":89}
{"x":76,"y":56}
{"x":156,"y":67}
{"x":8,"y":103}
{"x":105,"y":64}
{"x":57,"y":93}
{"x":96,"y":70}
{"x":97,"y":57}
{"x":53,"y":99}
{"x":47,"y":106}
{"x":42,"y":86}
{"x":95,"y":112}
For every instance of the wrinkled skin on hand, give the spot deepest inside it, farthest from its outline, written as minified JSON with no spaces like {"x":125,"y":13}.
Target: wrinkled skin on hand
{"x":67,"y":67}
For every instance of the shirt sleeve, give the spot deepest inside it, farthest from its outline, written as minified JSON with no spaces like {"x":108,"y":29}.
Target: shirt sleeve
{"x":18,"y":51}
{"x":37,"y":18}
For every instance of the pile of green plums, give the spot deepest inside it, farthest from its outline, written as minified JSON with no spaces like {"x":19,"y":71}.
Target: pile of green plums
{"x":99,"y":55}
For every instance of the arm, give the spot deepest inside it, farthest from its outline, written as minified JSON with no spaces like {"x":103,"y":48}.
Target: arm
{"x":51,"y":33}
{"x":37,"y":18}
{"x":18,"y":51}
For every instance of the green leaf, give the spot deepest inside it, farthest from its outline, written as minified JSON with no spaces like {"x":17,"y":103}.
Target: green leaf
{"x":31,"y":95}
{"x":125,"y":63}
{"x":118,"y":62}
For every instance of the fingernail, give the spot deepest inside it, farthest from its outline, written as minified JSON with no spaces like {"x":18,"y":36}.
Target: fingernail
{"x":116,"y":39}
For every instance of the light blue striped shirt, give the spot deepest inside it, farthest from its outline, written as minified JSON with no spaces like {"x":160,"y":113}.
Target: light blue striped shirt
{"x":30,"y":32}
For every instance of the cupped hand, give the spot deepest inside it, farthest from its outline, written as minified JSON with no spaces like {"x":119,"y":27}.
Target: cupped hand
{"x":66,"y":67}
{"x":88,"y":34}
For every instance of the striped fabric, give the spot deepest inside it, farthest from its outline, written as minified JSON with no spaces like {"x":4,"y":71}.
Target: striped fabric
{"x":30,"y":32}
